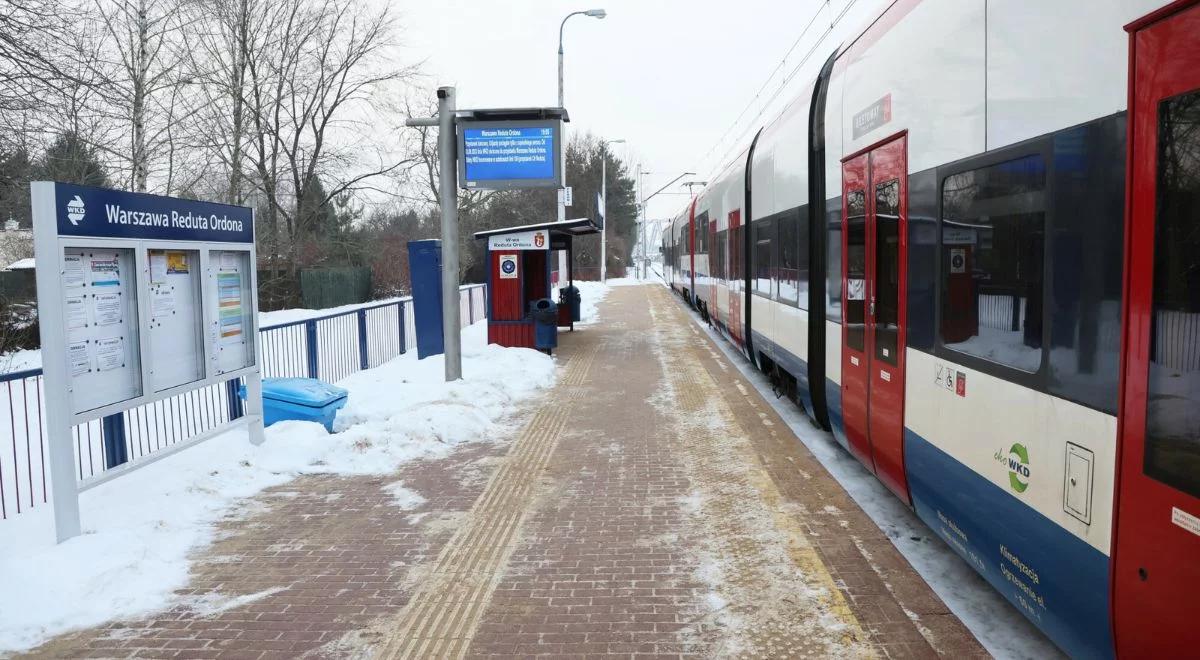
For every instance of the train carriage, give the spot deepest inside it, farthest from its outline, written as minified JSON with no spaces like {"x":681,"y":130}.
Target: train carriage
{"x":968,"y":249}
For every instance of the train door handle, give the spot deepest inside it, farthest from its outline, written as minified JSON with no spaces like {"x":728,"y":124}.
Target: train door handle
{"x":872,"y":307}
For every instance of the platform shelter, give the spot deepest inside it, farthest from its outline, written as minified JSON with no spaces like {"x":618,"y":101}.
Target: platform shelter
{"x":518,"y":261}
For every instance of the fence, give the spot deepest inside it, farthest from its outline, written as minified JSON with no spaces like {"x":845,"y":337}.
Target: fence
{"x":327,"y":347}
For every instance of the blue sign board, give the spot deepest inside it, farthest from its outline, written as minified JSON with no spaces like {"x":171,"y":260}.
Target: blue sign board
{"x":509,"y":154}
{"x":104,"y":213}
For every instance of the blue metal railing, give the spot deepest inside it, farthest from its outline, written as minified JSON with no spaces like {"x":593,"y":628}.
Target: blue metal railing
{"x":328,"y":347}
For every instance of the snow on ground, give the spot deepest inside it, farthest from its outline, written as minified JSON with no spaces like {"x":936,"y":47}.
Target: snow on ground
{"x":404,"y":498}
{"x":279,"y":317}
{"x":1002,"y":630}
{"x":21,"y":360}
{"x":140,"y":529}
{"x":591,"y":293}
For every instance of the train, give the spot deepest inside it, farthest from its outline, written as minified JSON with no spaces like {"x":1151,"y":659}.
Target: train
{"x":970,"y":249}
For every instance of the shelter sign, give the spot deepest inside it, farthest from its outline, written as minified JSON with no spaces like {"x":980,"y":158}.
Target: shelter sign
{"x":141,"y":298}
{"x":521,"y":240}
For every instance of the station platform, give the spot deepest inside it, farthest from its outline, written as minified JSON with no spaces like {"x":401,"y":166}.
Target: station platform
{"x":651,"y":505}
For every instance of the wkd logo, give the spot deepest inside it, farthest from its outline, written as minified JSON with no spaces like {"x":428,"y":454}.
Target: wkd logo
{"x":75,"y":210}
{"x":1017,"y":462}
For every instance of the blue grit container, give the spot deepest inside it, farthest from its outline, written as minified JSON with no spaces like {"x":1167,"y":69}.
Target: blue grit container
{"x":304,"y":399}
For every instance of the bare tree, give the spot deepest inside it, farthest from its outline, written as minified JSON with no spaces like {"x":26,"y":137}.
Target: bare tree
{"x":143,"y":89}
{"x":310,"y":94}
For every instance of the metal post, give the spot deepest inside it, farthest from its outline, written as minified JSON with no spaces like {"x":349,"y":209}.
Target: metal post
{"x":403,"y":330}
{"x":310,"y":336}
{"x":233,"y":399}
{"x":112,"y":429}
{"x":604,"y":214}
{"x":363,"y":350}
{"x":562,"y":151}
{"x":254,"y":407}
{"x":451,"y":324}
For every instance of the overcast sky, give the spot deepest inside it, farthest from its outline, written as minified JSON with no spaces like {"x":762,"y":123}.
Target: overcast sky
{"x":668,"y":76}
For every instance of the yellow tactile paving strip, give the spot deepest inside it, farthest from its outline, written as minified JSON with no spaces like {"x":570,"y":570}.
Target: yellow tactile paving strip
{"x":775,"y":614}
{"x":441,"y":619}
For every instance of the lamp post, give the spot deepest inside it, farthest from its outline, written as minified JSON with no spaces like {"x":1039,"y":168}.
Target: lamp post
{"x":645,"y":253}
{"x":604,"y":207}
{"x":562,"y":142}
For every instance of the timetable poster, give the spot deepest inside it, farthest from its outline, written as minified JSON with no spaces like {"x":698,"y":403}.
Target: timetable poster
{"x":229,"y":304}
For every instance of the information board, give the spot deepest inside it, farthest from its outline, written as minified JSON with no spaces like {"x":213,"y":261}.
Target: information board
{"x":175,"y":319}
{"x":503,"y":155}
{"x":230,"y":336}
{"x":140,"y":298}
{"x":99,"y":289}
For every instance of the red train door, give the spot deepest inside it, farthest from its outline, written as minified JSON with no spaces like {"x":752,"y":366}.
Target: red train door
{"x":733,"y":276}
{"x":1156,"y":575}
{"x":874,"y":221}
{"x":711,"y":261}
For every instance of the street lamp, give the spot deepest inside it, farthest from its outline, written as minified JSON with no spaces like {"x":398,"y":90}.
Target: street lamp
{"x":594,"y":13}
{"x":604,"y":208}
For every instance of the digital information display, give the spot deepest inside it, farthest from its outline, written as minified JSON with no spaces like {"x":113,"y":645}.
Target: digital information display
{"x":505,"y":155}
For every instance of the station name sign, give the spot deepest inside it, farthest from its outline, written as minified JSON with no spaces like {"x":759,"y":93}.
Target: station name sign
{"x":522,"y":240}
{"x":104,"y":213}
{"x":509,"y":154}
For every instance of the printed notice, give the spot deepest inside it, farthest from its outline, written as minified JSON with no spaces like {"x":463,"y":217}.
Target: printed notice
{"x":110,"y":353}
{"x":229,"y":261}
{"x":163,"y":301}
{"x":229,"y":306}
{"x":108,"y":308}
{"x":73,"y":271}
{"x":158,"y":267}
{"x":79,"y":357}
{"x":177,"y":263}
{"x":76,"y":312}
{"x":106,"y":271}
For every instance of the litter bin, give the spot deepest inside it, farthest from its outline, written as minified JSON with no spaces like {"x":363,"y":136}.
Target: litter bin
{"x":305,"y":399}
{"x":570,"y":297}
{"x":545,"y":323}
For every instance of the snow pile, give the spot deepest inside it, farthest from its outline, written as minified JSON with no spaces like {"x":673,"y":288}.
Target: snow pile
{"x":140,"y":529}
{"x":590,"y":293}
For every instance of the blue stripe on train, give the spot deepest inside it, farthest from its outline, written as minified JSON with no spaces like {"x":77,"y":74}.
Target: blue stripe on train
{"x":833,"y":400}
{"x":1055,"y":579}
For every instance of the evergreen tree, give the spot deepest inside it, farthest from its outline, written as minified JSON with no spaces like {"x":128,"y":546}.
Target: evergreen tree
{"x":71,"y":160}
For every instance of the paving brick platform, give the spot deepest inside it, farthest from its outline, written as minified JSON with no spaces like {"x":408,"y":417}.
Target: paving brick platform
{"x":653,"y":505}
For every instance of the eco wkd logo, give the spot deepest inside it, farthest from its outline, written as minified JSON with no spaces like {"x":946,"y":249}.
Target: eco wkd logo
{"x":75,"y":210}
{"x":1017,"y":462}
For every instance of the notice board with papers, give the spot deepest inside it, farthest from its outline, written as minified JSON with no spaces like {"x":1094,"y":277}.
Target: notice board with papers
{"x":141,"y":298}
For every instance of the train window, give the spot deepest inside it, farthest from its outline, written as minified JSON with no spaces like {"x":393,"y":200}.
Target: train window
{"x":763,"y":239}
{"x":833,"y":260}
{"x":993,"y":237}
{"x":802,"y":259}
{"x":856,"y":269}
{"x":720,"y":255}
{"x":734,"y":262}
{"x":887,"y":270}
{"x":789,"y":266}
{"x":1173,"y":390}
